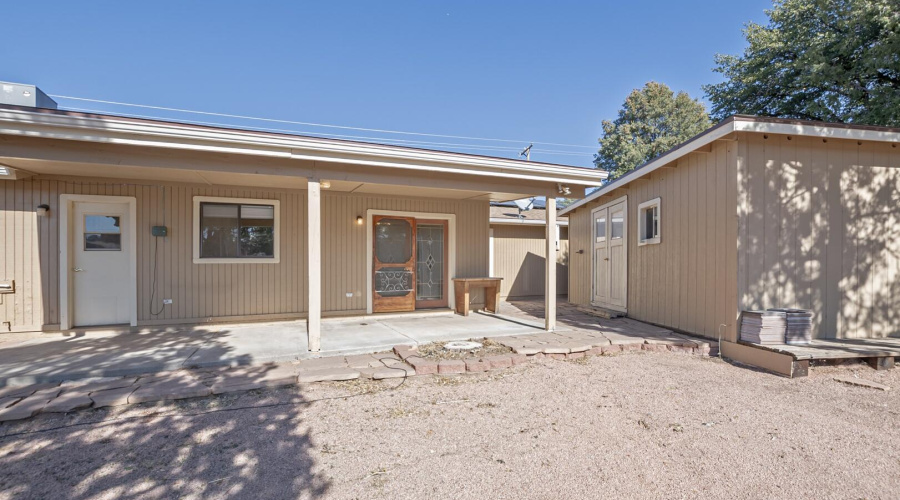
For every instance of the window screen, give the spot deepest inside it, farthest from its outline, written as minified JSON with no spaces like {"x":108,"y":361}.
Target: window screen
{"x":229,"y":230}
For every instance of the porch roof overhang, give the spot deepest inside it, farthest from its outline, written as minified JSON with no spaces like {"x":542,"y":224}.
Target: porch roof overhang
{"x":347,"y":165}
{"x":751,"y":124}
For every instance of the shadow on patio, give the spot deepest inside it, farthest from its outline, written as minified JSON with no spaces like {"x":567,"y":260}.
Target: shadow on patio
{"x":66,"y":356}
{"x":206,"y":448}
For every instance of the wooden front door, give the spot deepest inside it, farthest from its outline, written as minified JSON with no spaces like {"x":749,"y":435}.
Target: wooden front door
{"x":610,"y":266}
{"x":394,"y":264}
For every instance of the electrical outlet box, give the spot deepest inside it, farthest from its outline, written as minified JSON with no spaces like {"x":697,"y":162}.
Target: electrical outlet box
{"x":159,"y":231}
{"x":167,"y":301}
{"x":7,"y":286}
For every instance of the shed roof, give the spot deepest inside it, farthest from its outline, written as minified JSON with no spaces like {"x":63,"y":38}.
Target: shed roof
{"x":751,"y":124}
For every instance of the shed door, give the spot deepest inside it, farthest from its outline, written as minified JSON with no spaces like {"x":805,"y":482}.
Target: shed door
{"x":610,"y":268}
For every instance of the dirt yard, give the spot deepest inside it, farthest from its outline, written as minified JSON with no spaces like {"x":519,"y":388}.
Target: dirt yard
{"x":640,"y":425}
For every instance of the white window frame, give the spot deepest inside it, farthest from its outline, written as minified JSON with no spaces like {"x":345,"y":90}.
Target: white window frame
{"x":642,"y":230}
{"x":275,"y":259}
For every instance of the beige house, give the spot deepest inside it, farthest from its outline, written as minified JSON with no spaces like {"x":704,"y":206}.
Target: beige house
{"x":751,"y":214}
{"x":518,"y":250}
{"x":111,"y":220}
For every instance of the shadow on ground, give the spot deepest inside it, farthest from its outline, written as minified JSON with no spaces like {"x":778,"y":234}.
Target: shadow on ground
{"x":207,"y":448}
{"x":80,"y":355}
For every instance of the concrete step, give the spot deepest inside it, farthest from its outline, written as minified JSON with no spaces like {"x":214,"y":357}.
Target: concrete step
{"x":601,"y":312}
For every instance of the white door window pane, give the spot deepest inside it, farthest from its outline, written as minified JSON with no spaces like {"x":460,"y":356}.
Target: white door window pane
{"x":618,"y":225}
{"x":600,"y":229}
{"x":101,"y":224}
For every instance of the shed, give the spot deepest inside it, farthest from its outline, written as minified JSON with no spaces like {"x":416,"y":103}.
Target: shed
{"x":751,"y":214}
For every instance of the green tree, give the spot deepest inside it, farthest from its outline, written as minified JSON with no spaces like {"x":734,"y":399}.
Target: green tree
{"x":653,"y":120}
{"x":829,"y":60}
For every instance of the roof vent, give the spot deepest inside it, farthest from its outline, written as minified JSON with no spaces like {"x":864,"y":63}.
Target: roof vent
{"x":20,"y":94}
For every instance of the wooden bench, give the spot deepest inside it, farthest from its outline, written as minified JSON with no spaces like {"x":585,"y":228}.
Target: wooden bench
{"x":462,"y":287}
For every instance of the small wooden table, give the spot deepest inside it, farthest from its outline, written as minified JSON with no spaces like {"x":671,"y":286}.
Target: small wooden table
{"x":491,"y":286}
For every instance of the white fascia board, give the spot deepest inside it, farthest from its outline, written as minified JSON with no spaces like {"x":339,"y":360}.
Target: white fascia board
{"x":111,"y":130}
{"x":713,"y":134}
{"x":525,"y":222}
{"x":813,"y":130}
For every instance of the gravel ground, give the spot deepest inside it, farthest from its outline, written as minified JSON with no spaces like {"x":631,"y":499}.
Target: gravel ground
{"x":637,"y":425}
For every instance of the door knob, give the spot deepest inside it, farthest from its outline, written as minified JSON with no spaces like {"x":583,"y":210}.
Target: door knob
{"x":77,"y":269}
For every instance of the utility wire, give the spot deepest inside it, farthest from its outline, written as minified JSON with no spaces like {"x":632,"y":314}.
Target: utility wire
{"x":386,"y":140}
{"x":310,"y":124}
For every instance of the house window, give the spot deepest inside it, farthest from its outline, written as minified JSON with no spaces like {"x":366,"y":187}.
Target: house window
{"x":231,"y":230}
{"x":648,"y":222}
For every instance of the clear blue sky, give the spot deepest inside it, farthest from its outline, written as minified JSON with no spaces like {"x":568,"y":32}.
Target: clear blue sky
{"x":519,"y":70}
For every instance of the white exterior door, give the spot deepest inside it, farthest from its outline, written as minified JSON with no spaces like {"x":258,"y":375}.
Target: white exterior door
{"x":100,"y":264}
{"x":610,"y":255}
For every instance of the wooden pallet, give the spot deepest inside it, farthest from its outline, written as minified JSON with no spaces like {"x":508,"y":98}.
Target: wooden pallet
{"x":879,"y":353}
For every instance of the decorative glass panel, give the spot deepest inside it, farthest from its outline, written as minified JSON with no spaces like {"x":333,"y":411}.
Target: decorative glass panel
{"x":393,"y":241}
{"x":102,"y":233}
{"x":393,"y":282}
{"x":600,"y":229}
{"x":429,"y":261}
{"x":618,"y":225}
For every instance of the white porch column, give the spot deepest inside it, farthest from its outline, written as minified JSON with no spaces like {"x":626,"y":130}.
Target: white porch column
{"x":550,"y":274}
{"x":314,"y":264}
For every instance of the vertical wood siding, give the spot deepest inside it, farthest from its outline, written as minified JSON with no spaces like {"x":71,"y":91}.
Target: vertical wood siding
{"x":201,"y":292}
{"x":687,"y":281}
{"x":820,"y":229}
{"x":519,"y":258}
{"x":198,"y":291}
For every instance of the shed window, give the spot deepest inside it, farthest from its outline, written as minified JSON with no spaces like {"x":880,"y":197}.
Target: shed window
{"x":648,"y":222}
{"x":236,"y":230}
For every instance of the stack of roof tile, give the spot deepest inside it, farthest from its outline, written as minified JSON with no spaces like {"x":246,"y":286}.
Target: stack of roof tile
{"x":799,"y":325}
{"x":763,"y":327}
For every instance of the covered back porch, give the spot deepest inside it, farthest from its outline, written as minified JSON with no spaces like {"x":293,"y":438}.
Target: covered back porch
{"x":322,"y":200}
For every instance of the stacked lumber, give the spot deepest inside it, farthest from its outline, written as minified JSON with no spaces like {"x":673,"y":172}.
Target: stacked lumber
{"x":799,"y":325}
{"x":763,"y":327}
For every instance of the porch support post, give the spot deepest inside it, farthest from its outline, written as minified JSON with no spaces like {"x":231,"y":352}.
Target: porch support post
{"x":314,"y":264}
{"x":550,"y":274}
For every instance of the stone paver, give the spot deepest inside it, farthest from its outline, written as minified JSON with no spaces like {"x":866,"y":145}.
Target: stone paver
{"x":247,"y":379}
{"x":423,"y":366}
{"x":29,"y":406}
{"x":328,"y":363}
{"x":25,"y":390}
{"x":451,"y":366}
{"x":112,"y":397}
{"x":499,"y":361}
{"x":327,"y":374}
{"x":477,"y":365}
{"x":68,"y":401}
{"x":363,"y":361}
{"x":167,"y":390}
{"x":95,"y":385}
{"x":384,"y":372}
